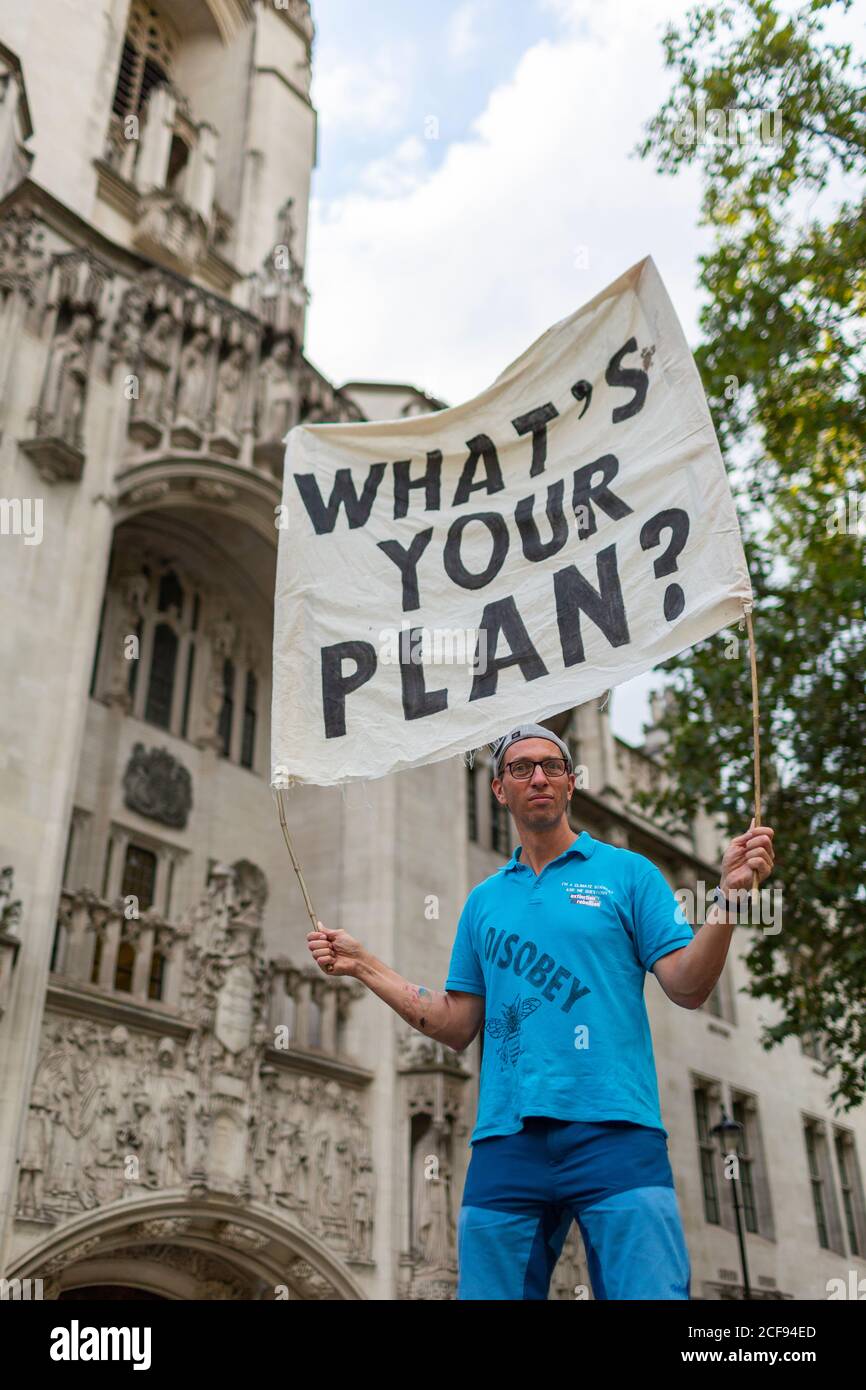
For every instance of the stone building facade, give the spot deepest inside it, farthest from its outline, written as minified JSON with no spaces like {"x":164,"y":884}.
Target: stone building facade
{"x":187,"y":1108}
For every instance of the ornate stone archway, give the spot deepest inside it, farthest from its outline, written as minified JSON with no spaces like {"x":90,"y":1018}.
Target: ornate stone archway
{"x":210,"y":1248}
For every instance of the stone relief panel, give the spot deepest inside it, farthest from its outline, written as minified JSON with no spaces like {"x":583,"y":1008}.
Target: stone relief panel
{"x":107,"y":1117}
{"x":118,"y":1111}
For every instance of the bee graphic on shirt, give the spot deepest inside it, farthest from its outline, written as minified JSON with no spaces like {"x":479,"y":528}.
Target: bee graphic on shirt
{"x":508,"y":1028}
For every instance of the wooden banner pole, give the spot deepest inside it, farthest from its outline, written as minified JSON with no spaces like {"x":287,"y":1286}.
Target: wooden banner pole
{"x":756,"y":732}
{"x":281,"y":811}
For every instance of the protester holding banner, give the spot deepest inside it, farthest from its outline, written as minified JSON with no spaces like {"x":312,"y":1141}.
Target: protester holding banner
{"x":551,"y":955}
{"x":576,"y":518}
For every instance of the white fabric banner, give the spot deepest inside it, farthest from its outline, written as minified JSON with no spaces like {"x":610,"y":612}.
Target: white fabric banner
{"x":445,"y":576}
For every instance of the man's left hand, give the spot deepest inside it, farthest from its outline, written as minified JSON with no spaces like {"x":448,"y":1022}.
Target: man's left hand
{"x":745,"y":855}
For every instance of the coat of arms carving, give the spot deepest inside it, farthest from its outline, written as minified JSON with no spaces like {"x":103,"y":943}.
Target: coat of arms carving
{"x":156,"y":785}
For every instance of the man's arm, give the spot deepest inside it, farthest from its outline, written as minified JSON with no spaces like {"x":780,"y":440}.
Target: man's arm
{"x":451,"y":1017}
{"x":688,"y":976}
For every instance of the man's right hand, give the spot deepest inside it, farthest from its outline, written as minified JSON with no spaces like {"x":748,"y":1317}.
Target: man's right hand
{"x":335,"y":952}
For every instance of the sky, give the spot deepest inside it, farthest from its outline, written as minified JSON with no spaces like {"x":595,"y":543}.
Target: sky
{"x":476,"y":182}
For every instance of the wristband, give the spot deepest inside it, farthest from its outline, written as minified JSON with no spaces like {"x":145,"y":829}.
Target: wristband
{"x":720,"y":900}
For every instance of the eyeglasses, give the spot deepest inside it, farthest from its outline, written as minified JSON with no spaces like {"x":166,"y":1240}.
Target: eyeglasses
{"x":524,"y":768}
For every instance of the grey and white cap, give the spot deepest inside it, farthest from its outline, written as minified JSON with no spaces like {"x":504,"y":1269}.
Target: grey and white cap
{"x":526,"y":731}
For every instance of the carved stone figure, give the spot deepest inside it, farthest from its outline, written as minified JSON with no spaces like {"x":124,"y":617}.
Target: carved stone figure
{"x":61,"y":407}
{"x":432,"y":1218}
{"x":130,"y":598}
{"x":193,"y":379}
{"x":35,"y":1155}
{"x":102,"y":1156}
{"x":156,"y":358}
{"x":230,"y":380}
{"x":143,"y":1138}
{"x":223,"y":635}
{"x":10,"y":912}
{"x":251,"y":886}
{"x":290,"y":1164}
{"x":363,"y":1195}
{"x":277,"y":394}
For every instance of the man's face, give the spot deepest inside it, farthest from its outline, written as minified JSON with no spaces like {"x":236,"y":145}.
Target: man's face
{"x":538,"y":803}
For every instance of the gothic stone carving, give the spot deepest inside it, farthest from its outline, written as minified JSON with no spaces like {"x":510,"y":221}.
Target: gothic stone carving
{"x":10,"y":944}
{"x":107,"y":1116}
{"x":156,"y":358}
{"x":116,"y":1112}
{"x":22,"y":252}
{"x":276,"y":403}
{"x":156,"y":785}
{"x":58,"y":449}
{"x":231,"y":380}
{"x":132,"y":590}
{"x":434,"y":1091}
{"x":222,"y":634}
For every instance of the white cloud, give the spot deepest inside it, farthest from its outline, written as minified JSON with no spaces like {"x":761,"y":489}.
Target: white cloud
{"x":398,"y":173}
{"x":464,"y":35}
{"x":581,"y":17}
{"x":443,"y":279}
{"x":368,"y":94}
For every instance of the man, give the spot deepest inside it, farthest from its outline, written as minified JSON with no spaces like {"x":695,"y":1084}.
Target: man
{"x":551,"y":953}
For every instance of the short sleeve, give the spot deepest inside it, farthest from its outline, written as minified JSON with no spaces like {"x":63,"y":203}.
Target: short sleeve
{"x":659,"y":921}
{"x":464,"y":972}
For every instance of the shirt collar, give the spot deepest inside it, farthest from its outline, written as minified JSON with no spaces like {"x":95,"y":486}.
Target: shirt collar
{"x":584,"y":845}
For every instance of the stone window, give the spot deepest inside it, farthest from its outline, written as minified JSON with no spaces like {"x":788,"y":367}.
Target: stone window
{"x":238,"y":719}
{"x":754,"y":1184}
{"x":171,"y":654}
{"x":145,"y":61}
{"x":160,"y":687}
{"x":851,"y":1186}
{"x":123,"y":970}
{"x":827,"y":1224}
{"x":707,"y":1156}
{"x":156,"y":979}
{"x":139,"y":875}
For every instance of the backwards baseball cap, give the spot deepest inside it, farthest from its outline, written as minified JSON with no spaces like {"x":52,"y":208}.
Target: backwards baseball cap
{"x":526,"y":731}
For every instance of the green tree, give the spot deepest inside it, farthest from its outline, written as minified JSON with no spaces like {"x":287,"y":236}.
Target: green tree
{"x":783,"y":361}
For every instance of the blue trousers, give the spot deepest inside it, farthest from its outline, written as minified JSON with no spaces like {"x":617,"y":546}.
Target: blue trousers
{"x":523,"y":1191}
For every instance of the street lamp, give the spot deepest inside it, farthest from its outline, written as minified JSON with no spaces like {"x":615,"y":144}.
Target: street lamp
{"x":730,"y":1135}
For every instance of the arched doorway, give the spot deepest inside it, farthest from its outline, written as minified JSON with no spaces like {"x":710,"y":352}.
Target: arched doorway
{"x":210,"y":1249}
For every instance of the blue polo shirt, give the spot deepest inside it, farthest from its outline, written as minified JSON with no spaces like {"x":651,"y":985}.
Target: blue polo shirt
{"x":561,"y":958}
